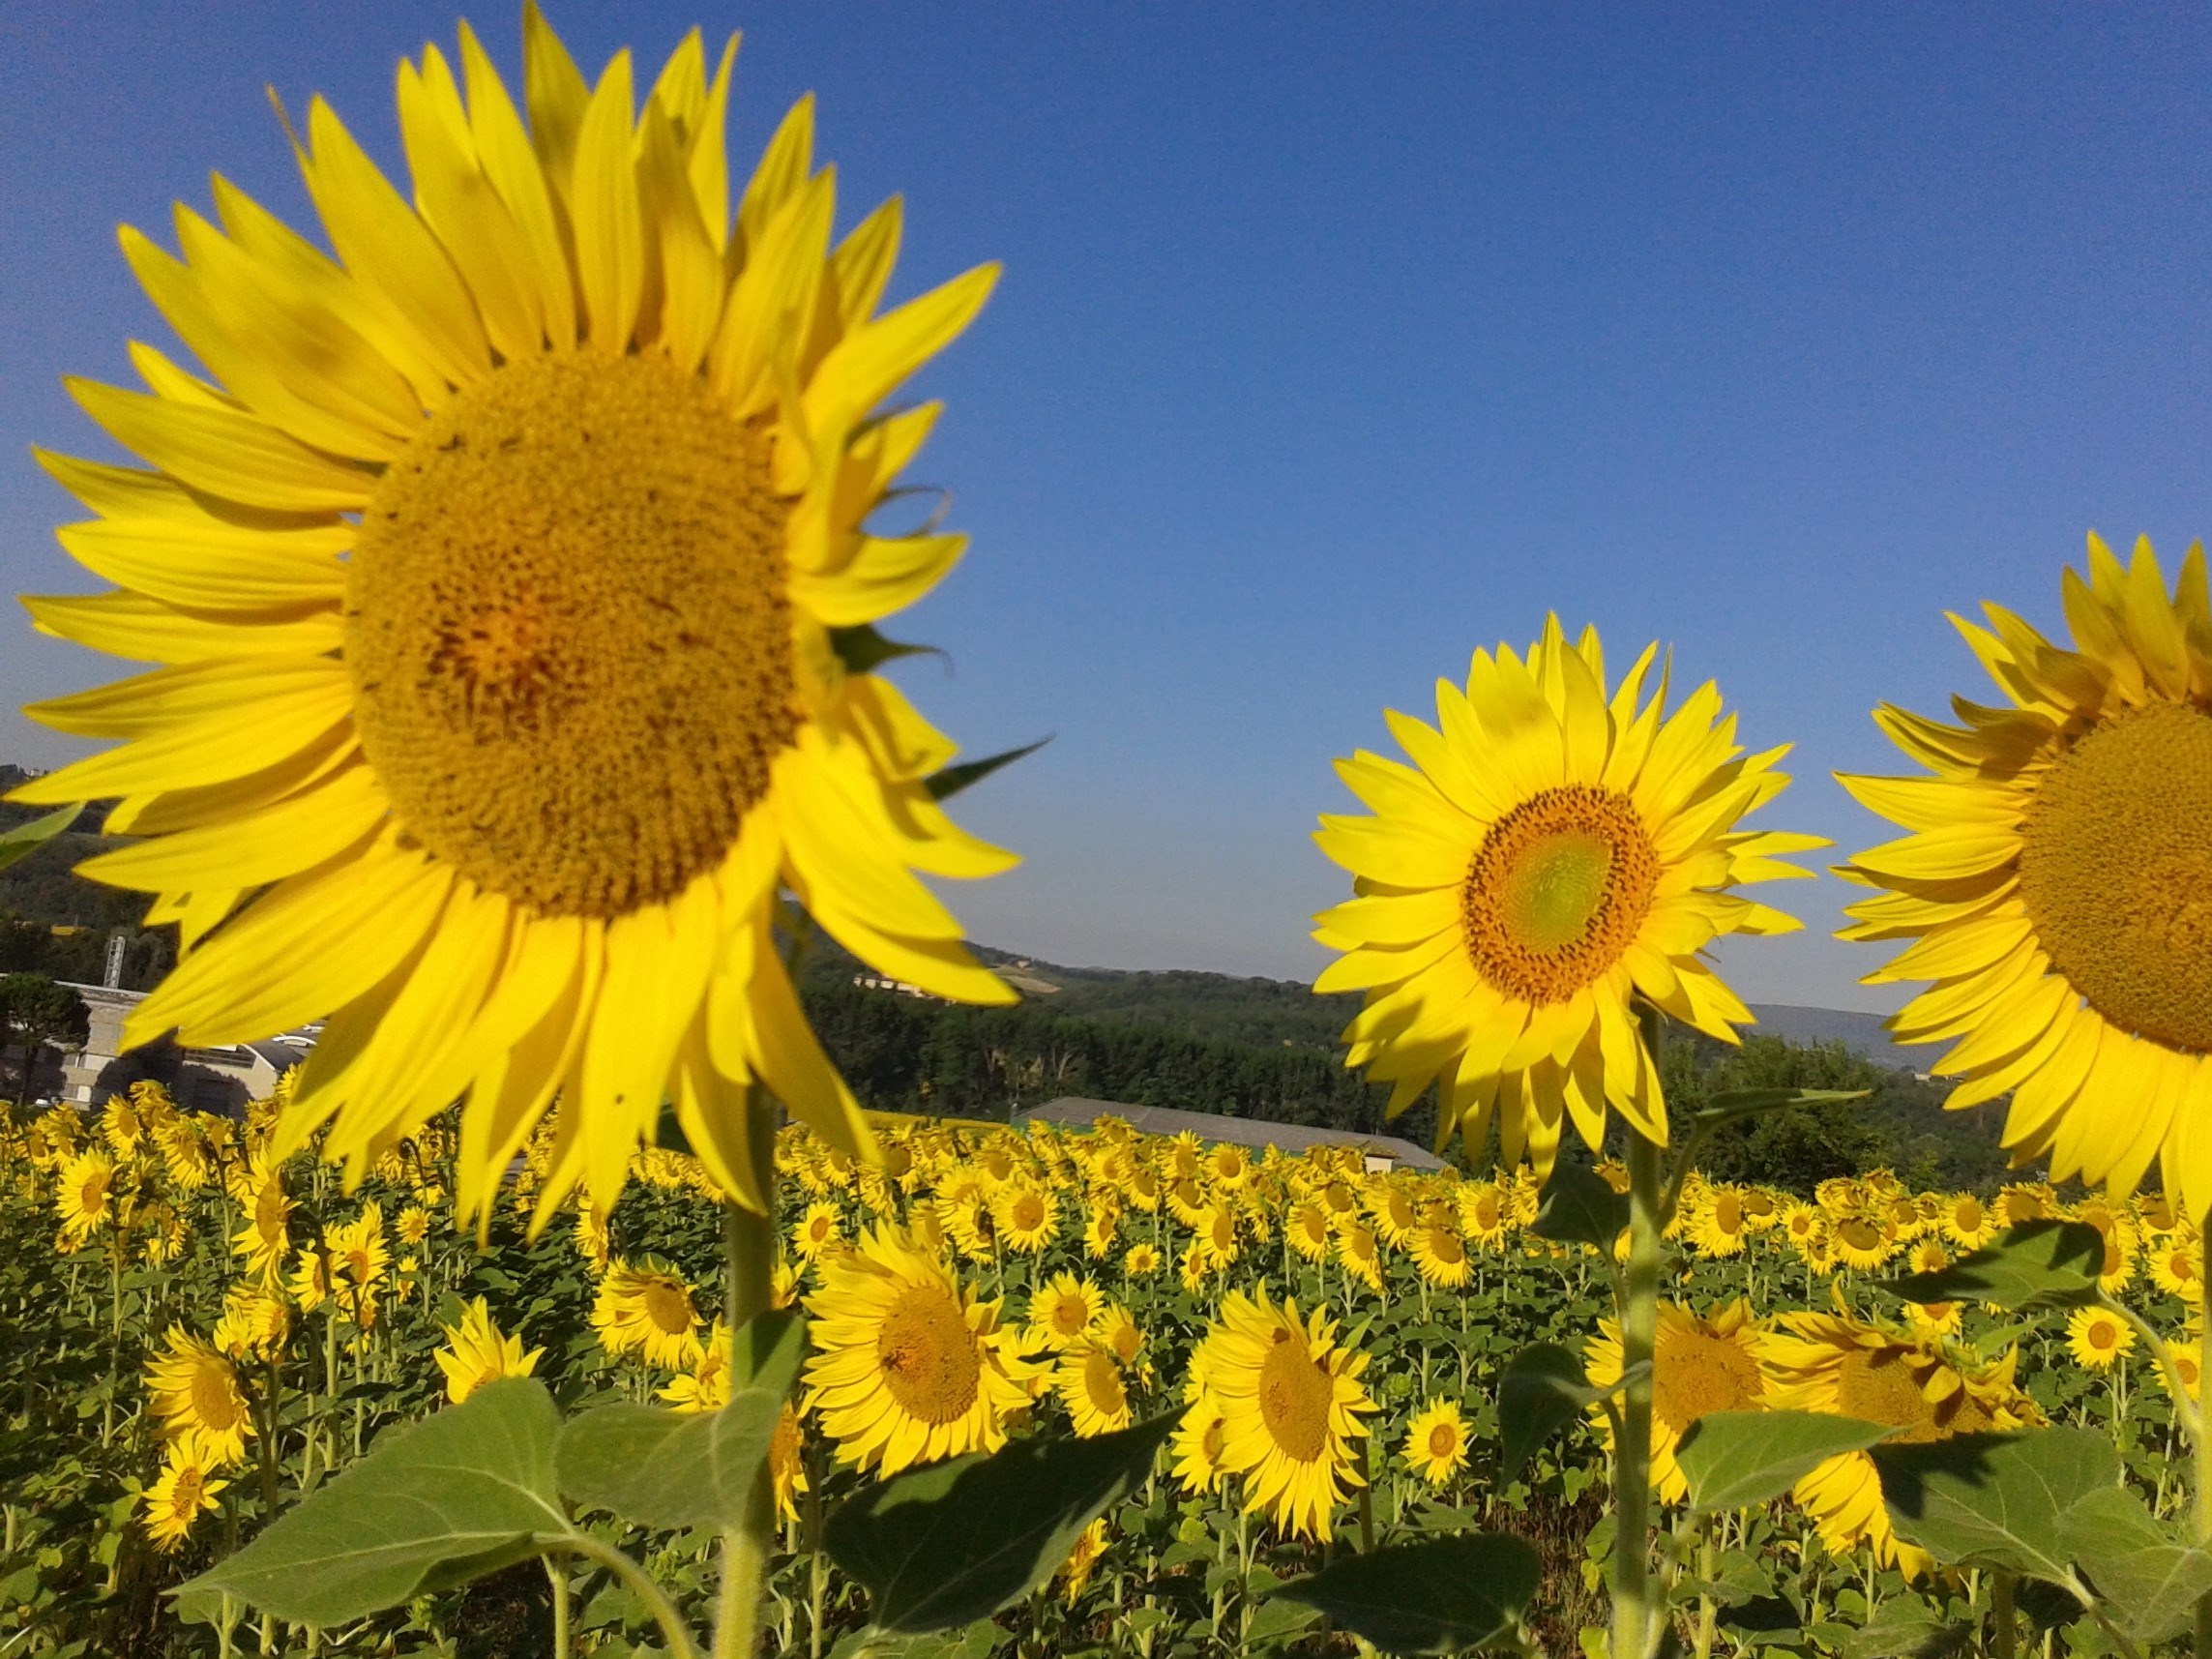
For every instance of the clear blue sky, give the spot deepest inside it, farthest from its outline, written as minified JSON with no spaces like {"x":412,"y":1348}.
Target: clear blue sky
{"x":1335,"y":340}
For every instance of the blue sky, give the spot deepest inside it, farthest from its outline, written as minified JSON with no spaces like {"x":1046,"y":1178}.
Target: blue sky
{"x":1337,"y":340}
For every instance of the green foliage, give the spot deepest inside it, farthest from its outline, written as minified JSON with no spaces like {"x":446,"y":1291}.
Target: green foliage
{"x":1540,"y":1392}
{"x":1735,"y":1459}
{"x":1578,"y":1207}
{"x":2038,"y":1264}
{"x":18,"y":842}
{"x":1997,"y":1502}
{"x":1442,"y":1595}
{"x":942,"y":1546}
{"x":36,"y":1011}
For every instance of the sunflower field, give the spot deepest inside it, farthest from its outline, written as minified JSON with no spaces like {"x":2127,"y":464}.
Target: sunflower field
{"x":216,"y":1334}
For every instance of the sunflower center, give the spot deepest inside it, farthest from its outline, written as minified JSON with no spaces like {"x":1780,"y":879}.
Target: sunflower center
{"x":1968,"y":1216}
{"x":2115,"y":870}
{"x":1695,"y":1372}
{"x":1443,"y":1443}
{"x":1294,"y":1398}
{"x":1557,"y":891}
{"x":1878,"y":1385}
{"x":1102,"y":1384}
{"x":668,"y":1306}
{"x":1728,"y":1214}
{"x":2103,"y":1337}
{"x":567,"y":632}
{"x":1070,"y":1316}
{"x":929,"y":1355}
{"x":215,"y":1402}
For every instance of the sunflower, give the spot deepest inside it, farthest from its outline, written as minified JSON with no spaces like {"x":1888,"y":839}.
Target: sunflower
{"x":1089,"y":1383}
{"x":705,"y":1385}
{"x":2187,"y":1363}
{"x":1292,"y":1400}
{"x":1700,"y":1363}
{"x":313,"y":1278}
{"x":498,"y":580}
{"x":2061,"y":843}
{"x":1201,"y":1438}
{"x":649,"y":1310}
{"x":1436,"y":1442}
{"x":1966,"y":1222}
{"x":2022,"y":1201}
{"x":1228,"y":1166}
{"x":1102,"y":1220}
{"x":1859,"y":1242}
{"x":908,"y":1368}
{"x":1833,"y":1362}
{"x":1061,"y":1312}
{"x":1027,"y":1216}
{"x":412,"y":1225}
{"x":1483,"y":1213}
{"x":1141,"y":1260}
{"x":2097,"y":1338}
{"x":1074,"y":1574}
{"x":1217,"y":1235}
{"x":255,"y":1322}
{"x":477,"y":1352}
{"x":1929,"y":1257}
{"x":1716,"y":1224}
{"x":1549,"y":857}
{"x":358,"y":1260}
{"x":1440,"y":1254}
{"x":1804,"y":1226}
{"x":788,"y":1463}
{"x":592,"y":1236}
{"x":2177,"y":1266}
{"x":1361,"y":1254}
{"x":1195,"y":1267}
{"x":1395,"y":1213}
{"x":819,"y":1228}
{"x":84,"y":1195}
{"x":194,"y":1390}
{"x":1308,"y":1230}
{"x":265,"y":1241}
{"x":1117,"y":1331}
{"x":180,"y":1496}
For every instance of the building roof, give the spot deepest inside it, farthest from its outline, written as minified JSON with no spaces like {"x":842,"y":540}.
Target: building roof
{"x":1242,"y":1131}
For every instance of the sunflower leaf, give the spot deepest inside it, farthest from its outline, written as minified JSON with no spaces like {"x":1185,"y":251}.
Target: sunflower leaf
{"x":942,"y":1546}
{"x":1579,"y":1209}
{"x":1541,"y":1390}
{"x":1996,"y":1501}
{"x":434,"y":1504}
{"x":25,"y":839}
{"x":1733,"y":1460}
{"x":2037,"y":1264}
{"x":1438,"y":1596}
{"x":2145,"y":1574}
{"x":658,"y":1467}
{"x":1727,"y":1108}
{"x":949,"y":780}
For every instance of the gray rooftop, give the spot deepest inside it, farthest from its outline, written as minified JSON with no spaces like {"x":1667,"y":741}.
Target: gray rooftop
{"x":1242,"y":1131}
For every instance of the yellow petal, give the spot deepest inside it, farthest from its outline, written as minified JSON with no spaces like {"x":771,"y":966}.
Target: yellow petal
{"x":237,"y":457}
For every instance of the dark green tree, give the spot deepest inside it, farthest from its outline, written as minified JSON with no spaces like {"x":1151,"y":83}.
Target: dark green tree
{"x":36,"y":1011}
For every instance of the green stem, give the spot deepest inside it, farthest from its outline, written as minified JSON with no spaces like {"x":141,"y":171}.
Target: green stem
{"x":560,"y":1584}
{"x":641,"y":1585}
{"x":2006,"y":1620}
{"x":749,"y":1244}
{"x":1639,"y":1311}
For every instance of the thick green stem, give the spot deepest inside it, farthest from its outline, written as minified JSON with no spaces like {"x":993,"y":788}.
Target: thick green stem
{"x":748,"y":1243}
{"x":1639,"y":1314}
{"x":2007,"y":1620}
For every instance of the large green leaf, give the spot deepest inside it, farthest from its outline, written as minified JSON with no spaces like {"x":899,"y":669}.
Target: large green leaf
{"x":658,"y":1467}
{"x":1578,"y":1207}
{"x":434,"y":1504}
{"x":1539,"y":1391}
{"x":2037,"y":1264}
{"x":1733,"y":1105}
{"x":1438,"y":1596}
{"x":1996,"y":1501}
{"x":2146,"y":1576}
{"x":1733,"y":1460}
{"x":942,"y":1546}
{"x":19,"y":843}
{"x":1905,"y":1627}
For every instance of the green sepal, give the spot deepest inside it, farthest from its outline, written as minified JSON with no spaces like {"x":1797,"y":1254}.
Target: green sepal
{"x":949,"y":780}
{"x":863,"y":650}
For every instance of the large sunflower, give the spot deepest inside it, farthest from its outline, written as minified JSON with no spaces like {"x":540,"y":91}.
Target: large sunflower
{"x":194,"y":1390}
{"x":1291,"y":1400}
{"x":908,"y":1367}
{"x":2056,"y":877}
{"x":1551,"y":855}
{"x":1700,"y":1363}
{"x":511,"y":580}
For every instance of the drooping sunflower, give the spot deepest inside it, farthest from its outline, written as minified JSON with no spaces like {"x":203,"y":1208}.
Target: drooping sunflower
{"x":1833,"y":1362}
{"x":511,"y":582}
{"x":1551,"y":855}
{"x":1202,"y":1436}
{"x":2054,"y":878}
{"x":647,"y":1309}
{"x":1360,"y":1255}
{"x":185,"y":1489}
{"x":1292,"y":1400}
{"x":705,"y":1385}
{"x":1308,"y":1230}
{"x":1436,"y":1442}
{"x":1089,"y":1382}
{"x":908,"y":1366}
{"x":194,"y":1390}
{"x":255,"y":1322}
{"x":1699,"y":1363}
{"x":478,"y":1352}
{"x":2097,"y":1338}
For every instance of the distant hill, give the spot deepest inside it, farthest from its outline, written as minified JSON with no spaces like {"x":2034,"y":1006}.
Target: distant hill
{"x":1864,"y":1034}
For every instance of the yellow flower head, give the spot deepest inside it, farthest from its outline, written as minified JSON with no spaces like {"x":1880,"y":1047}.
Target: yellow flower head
{"x":2052,"y":881}
{"x":705,"y":1386}
{"x":908,"y":1367}
{"x":477,"y":1352}
{"x":1700,"y":1363}
{"x":2097,"y":1338}
{"x":788,"y":1462}
{"x":1089,"y":1382}
{"x":647,"y":1311}
{"x":1436,"y":1442}
{"x":194,"y":1390}
{"x":1062,"y":1312}
{"x":1026,"y":1215}
{"x":184,"y":1491}
{"x":1361,"y":1254}
{"x":84,"y":1194}
{"x":256,"y":1325}
{"x":1201,"y":1438}
{"x":1717,"y":1224}
{"x":820,"y":1228}
{"x":1141,"y":1260}
{"x":1552,"y":855}
{"x":1292,"y":1401}
{"x":1439,"y":1254}
{"x":496,"y":574}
